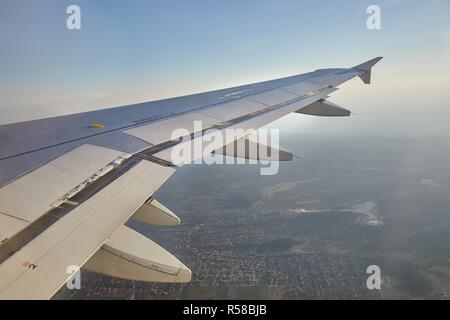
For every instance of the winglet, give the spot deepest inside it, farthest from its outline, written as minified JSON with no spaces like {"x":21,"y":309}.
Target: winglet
{"x":366,"y":69}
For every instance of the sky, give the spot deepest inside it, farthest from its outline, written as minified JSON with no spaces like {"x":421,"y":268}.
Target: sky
{"x":141,"y":50}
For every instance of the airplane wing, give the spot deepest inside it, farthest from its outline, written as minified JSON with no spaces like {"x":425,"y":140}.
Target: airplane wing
{"x":68,"y":184}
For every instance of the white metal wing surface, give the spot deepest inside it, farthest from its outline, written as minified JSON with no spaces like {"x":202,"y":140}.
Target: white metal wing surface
{"x":68,"y":184}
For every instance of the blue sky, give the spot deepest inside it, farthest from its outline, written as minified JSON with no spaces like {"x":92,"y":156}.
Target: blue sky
{"x":143,"y":50}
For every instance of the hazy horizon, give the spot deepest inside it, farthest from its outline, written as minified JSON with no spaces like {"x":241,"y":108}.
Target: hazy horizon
{"x":152,"y":50}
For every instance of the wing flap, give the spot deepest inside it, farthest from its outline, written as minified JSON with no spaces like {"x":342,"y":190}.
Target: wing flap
{"x":9,"y":226}
{"x":30,"y":196}
{"x":39,"y":268}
